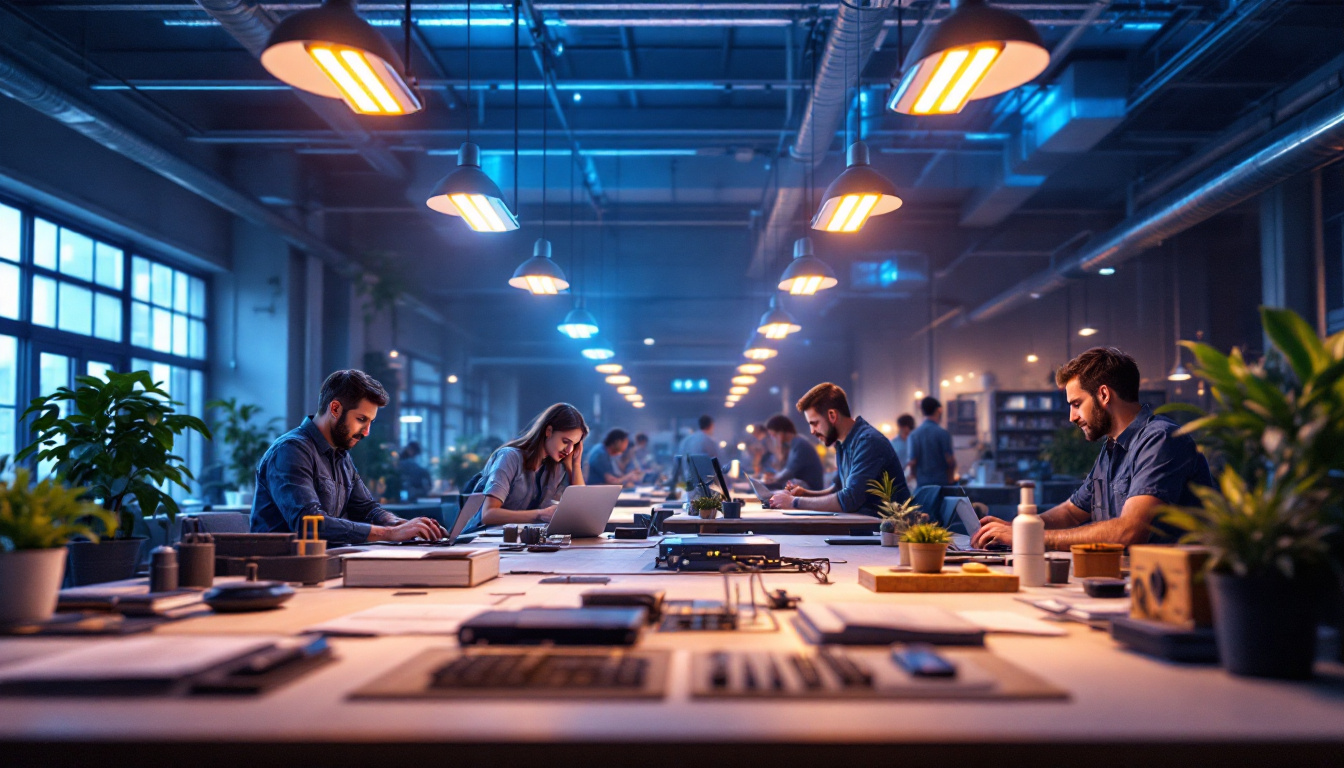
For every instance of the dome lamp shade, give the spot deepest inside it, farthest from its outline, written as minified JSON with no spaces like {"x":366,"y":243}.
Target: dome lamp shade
{"x":776,"y":323}
{"x":540,"y":275}
{"x":806,"y":274}
{"x":468,"y":192}
{"x":857,"y":194}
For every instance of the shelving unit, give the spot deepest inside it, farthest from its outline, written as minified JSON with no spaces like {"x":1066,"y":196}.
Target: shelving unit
{"x":1024,"y":422}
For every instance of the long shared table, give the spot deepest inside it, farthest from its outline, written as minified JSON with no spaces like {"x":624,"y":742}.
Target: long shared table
{"x":1122,"y":709}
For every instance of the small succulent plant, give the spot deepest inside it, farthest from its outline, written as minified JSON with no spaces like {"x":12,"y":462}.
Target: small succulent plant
{"x":927,"y":533}
{"x":712,"y":501}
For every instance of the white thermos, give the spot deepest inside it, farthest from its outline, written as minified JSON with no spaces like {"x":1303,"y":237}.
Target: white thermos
{"x":1029,"y":541}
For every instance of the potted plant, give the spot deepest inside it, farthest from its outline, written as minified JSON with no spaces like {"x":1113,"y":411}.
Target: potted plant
{"x":896,"y":516}
{"x":1277,"y":427}
{"x":707,"y":506}
{"x":35,"y":523}
{"x":928,"y":546}
{"x":247,"y":442}
{"x":117,"y":444}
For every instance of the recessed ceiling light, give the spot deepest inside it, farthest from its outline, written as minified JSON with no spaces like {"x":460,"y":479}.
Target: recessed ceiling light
{"x":648,"y":342}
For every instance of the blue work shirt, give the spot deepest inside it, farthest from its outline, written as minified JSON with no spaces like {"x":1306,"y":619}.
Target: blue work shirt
{"x":1147,"y":459}
{"x":902,"y":447}
{"x":864,"y":455}
{"x":600,"y":464}
{"x":698,"y":442}
{"x":302,"y":474}
{"x":803,"y":465}
{"x":930,"y":445}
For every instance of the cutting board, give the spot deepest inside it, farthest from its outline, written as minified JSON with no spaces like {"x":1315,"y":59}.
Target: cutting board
{"x":882,"y":578}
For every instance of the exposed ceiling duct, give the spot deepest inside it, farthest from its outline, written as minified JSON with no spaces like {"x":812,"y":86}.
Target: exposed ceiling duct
{"x":251,"y":25}
{"x":23,"y":85}
{"x":1313,"y":140}
{"x":853,"y":32}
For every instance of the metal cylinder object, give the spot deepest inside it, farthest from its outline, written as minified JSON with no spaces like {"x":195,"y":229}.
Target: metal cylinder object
{"x":162,"y":569}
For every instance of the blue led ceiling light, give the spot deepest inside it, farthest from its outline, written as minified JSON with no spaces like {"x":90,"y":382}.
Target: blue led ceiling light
{"x":579,"y":323}
{"x":597,"y":349}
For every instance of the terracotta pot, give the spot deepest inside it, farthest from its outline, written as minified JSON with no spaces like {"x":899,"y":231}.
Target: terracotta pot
{"x":32,"y":579}
{"x":1096,"y":560}
{"x":708,"y":514}
{"x":927,"y":558}
{"x":905,"y":553}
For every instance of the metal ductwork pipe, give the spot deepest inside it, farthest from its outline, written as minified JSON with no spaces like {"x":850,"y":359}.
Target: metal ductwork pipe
{"x":853,"y":33}
{"x":24,"y":86}
{"x":251,"y":25}
{"x":1310,"y":142}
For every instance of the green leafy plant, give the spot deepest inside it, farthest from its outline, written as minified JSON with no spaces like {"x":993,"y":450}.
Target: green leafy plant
{"x":45,"y":515}
{"x":1257,"y":529}
{"x":927,"y":533}
{"x":712,"y":501}
{"x":465,"y":458}
{"x":897,"y":516}
{"x":248,"y":442}
{"x":1069,"y":453}
{"x":116,"y":442}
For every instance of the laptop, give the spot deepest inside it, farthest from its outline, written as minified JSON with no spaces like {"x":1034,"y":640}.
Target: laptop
{"x":454,"y":526}
{"x":762,"y":493}
{"x":584,"y":510}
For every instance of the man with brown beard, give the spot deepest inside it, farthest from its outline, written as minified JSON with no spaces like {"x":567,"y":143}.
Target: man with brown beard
{"x":308,"y":471}
{"x":1143,"y":465}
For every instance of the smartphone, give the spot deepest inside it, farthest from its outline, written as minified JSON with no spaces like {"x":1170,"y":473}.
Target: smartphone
{"x":853,"y":540}
{"x":921,"y":660}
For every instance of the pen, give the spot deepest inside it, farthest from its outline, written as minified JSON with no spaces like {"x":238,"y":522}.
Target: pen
{"x":530,"y":573}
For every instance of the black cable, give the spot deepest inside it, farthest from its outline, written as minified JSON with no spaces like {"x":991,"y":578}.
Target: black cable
{"x":469,"y":94}
{"x":517,"y":206}
{"x":406,"y":46}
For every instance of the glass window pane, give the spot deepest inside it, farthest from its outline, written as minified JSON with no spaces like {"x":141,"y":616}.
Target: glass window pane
{"x":76,"y":255}
{"x":140,"y":324}
{"x":44,"y":301}
{"x":7,"y":447}
{"x":53,"y":373}
{"x":160,"y":285}
{"x":180,"y":292}
{"x":9,"y":291}
{"x":95,"y":368}
{"x":139,"y":278}
{"x":107,"y":317}
{"x":162,"y":330}
{"x":108,"y":271}
{"x":197,"y":341}
{"x":9,"y":370}
{"x":76,"y":305}
{"x":11,"y":223}
{"x":180,"y":335}
{"x":197,"y":297}
{"x":44,"y":243}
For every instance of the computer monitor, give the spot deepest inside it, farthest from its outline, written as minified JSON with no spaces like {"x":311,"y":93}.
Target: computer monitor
{"x":706,"y":469}
{"x":675,"y":479}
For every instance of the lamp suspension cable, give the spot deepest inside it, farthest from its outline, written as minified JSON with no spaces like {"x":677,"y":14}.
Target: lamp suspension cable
{"x":516,"y":8}
{"x":468,"y":70}
{"x":406,"y":48}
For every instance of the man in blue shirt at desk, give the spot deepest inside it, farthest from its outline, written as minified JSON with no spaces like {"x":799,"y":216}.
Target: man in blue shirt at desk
{"x":308,"y":471}
{"x":1143,"y":465}
{"x":862,"y":454}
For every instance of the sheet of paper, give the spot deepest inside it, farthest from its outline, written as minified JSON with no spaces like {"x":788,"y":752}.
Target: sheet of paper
{"x":147,"y":658}
{"x":403,"y":619}
{"x":1012,"y":623}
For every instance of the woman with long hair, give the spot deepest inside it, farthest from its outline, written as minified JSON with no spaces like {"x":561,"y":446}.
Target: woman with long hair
{"x":524,"y":477}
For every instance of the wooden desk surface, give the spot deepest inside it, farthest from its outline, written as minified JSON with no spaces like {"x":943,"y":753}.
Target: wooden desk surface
{"x":772,"y":521}
{"x":1125,"y":709}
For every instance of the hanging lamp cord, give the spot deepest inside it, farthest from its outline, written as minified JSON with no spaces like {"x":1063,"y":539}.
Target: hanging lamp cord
{"x":469,"y":94}
{"x":516,"y":202}
{"x":406,"y":47}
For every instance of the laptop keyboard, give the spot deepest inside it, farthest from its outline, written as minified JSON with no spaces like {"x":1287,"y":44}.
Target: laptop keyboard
{"x":543,"y":670}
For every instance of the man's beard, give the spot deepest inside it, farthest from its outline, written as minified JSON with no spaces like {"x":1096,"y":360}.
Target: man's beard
{"x":832,"y":434}
{"x":344,"y":438}
{"x":1100,"y":426}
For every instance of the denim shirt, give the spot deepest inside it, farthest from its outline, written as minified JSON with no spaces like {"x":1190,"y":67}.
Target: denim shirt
{"x":1147,"y":459}
{"x":302,"y":474}
{"x":930,"y":445}
{"x":864,"y":455}
{"x":803,"y":465}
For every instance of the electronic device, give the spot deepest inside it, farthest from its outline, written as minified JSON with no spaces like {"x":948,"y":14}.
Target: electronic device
{"x":245,"y":596}
{"x":584,"y":510}
{"x":810,"y":513}
{"x":630,"y":532}
{"x":705,"y":470}
{"x":762,"y":493}
{"x":558,"y":626}
{"x":1166,"y":585}
{"x":853,"y":540}
{"x":453,"y":526}
{"x":921,"y":660}
{"x":1104,"y":587}
{"x":650,"y":600}
{"x":709,"y":553}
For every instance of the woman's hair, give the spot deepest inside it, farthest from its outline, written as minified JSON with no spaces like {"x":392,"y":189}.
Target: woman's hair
{"x":560,"y":417}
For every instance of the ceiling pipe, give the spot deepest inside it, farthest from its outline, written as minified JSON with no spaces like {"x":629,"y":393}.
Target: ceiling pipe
{"x":23,"y":85}
{"x":251,"y":25}
{"x":822,"y":117}
{"x":1310,"y":142}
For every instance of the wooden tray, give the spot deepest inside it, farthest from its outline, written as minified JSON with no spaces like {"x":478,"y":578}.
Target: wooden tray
{"x":882,"y":578}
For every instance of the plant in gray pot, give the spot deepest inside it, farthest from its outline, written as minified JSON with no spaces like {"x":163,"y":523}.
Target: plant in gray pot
{"x":247,"y":443}
{"x":113,"y":437}
{"x":35,"y":523}
{"x":1277,"y":427}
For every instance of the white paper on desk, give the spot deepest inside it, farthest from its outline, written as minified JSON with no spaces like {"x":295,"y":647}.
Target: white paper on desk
{"x":402,"y":619}
{"x":1008,"y":622}
{"x":138,"y":658}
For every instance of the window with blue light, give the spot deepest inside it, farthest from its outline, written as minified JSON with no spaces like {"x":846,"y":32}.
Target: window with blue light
{"x":690,"y":386}
{"x":875,"y":275}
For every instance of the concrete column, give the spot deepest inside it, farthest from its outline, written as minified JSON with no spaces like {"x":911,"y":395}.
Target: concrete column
{"x":1286,"y":241}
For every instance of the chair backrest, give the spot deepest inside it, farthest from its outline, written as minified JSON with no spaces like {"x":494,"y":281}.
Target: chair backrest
{"x":224,"y":522}
{"x":940,"y":502}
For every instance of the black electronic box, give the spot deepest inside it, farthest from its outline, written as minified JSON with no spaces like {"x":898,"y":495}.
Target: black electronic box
{"x":709,"y":553}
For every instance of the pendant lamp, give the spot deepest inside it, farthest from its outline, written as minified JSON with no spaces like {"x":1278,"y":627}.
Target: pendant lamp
{"x":855,"y":195}
{"x":751,"y":369}
{"x":579,"y":323}
{"x":760,"y":348}
{"x":331,"y":51}
{"x":806,"y":274}
{"x":776,"y":323}
{"x":540,"y":275}
{"x":597,"y":349}
{"x":608,"y":368}
{"x":468,"y":192}
{"x":974,"y":53}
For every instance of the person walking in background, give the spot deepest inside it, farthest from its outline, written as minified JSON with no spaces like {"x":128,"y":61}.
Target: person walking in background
{"x":905,"y":424}
{"x":931,"y":458}
{"x":701,"y":441}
